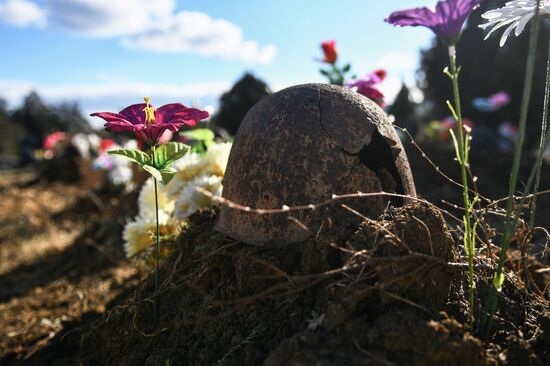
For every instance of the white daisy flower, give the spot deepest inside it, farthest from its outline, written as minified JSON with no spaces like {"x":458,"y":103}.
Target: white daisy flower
{"x":190,"y":200}
{"x":140,"y":234}
{"x":515,"y":15}
{"x":146,"y":200}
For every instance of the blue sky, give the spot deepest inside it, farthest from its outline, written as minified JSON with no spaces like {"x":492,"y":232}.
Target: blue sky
{"x":106,"y":54}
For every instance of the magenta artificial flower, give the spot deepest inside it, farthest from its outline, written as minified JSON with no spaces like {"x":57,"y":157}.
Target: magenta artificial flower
{"x":53,"y":139}
{"x":367,"y":86}
{"x":153,"y":126}
{"x":445,"y":21}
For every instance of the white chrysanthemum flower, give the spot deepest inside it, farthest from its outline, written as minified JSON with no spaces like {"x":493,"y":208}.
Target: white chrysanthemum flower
{"x":515,"y":14}
{"x":217,"y":157}
{"x":146,"y":200}
{"x":188,"y":167}
{"x":190,"y":200}
{"x":193,"y":165}
{"x":140,"y":234}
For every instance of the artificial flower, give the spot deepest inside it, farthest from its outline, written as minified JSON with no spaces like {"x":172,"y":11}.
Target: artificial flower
{"x":188,"y":167}
{"x":213,"y":162}
{"x":515,"y":15}
{"x":53,"y":139}
{"x":150,"y":125}
{"x":87,"y":144}
{"x":217,"y":157}
{"x":140,"y":234}
{"x":191,"y":200}
{"x":146,"y":199}
{"x":120,"y":173}
{"x":329,"y":51}
{"x":445,"y":21}
{"x":367,"y":86}
{"x":106,"y":144}
{"x":493,"y":102}
{"x":450,"y":123}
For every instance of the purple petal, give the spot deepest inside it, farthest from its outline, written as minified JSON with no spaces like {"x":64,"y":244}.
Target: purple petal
{"x":153,"y":133}
{"x":135,"y":113}
{"x":446,"y":21}
{"x":413,"y":17}
{"x":110,"y":117}
{"x":115,"y":122}
{"x":177,"y":113}
{"x":119,"y":126}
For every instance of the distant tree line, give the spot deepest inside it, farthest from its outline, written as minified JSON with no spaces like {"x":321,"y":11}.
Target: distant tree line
{"x":25,"y":128}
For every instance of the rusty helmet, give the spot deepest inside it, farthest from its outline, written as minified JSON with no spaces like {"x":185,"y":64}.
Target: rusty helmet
{"x":300,"y":146}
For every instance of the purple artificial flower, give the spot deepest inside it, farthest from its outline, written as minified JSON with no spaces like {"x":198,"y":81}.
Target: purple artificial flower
{"x":500,"y":99}
{"x":446,"y":21}
{"x":367,"y":86}
{"x":150,"y":125}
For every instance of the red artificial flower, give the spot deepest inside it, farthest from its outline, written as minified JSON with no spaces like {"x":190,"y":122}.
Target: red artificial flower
{"x":381,"y":73}
{"x":106,"y":144}
{"x":329,"y":50}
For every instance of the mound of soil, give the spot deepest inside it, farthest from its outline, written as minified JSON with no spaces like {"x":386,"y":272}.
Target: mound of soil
{"x":386,"y":292}
{"x":61,"y":261}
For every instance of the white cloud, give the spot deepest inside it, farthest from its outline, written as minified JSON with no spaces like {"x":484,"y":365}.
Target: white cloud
{"x":142,"y":24}
{"x":197,"y":32}
{"x":22,"y":13}
{"x":107,"y":18}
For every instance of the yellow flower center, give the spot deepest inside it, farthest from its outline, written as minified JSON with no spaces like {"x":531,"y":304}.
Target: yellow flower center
{"x":149,"y":113}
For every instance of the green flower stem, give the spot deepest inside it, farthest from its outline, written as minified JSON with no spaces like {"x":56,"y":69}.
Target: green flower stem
{"x":534,"y":176}
{"x":543,"y":141}
{"x":157,"y":238}
{"x":510,"y":222}
{"x":462,"y":147}
{"x":336,"y":76}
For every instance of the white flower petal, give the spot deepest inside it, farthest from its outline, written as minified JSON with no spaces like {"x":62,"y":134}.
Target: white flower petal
{"x":140,"y":234}
{"x":191,"y":200}
{"x":146,"y":200}
{"x":522,"y":23}
{"x":515,"y":15}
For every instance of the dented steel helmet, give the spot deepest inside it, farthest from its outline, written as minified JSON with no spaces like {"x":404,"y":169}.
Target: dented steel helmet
{"x":302,"y":145}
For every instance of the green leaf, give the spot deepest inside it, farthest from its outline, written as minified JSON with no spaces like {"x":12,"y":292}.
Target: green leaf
{"x":455,"y":143}
{"x":452,"y":109}
{"x":137,"y":156}
{"x":167,"y":153}
{"x":167,"y":174}
{"x":498,"y":280}
{"x":346,"y":68}
{"x":153,"y":171}
{"x":324,"y":72}
{"x":199,"y":134}
{"x":467,"y":244}
{"x":164,"y":175}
